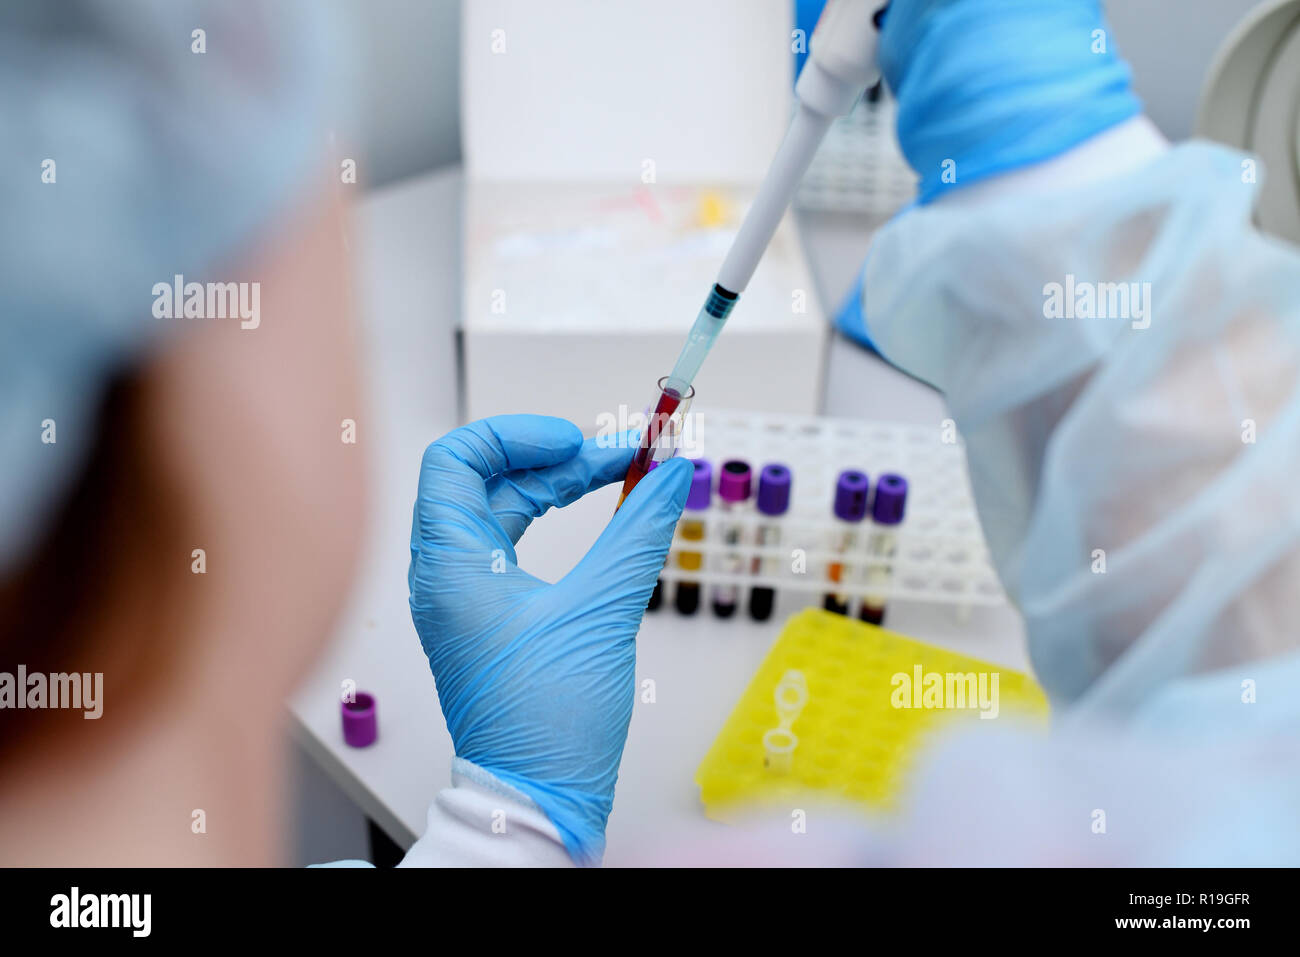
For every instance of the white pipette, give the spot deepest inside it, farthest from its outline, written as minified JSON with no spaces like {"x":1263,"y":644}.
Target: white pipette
{"x":841,"y":65}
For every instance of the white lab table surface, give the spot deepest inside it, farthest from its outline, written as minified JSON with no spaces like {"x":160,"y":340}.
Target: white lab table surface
{"x":406,"y":245}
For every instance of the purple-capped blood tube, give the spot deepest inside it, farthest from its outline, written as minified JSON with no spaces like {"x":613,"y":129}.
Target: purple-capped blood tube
{"x":850,"y":508}
{"x":734,"y":485}
{"x":694,"y":529}
{"x":773,"y":500}
{"x":886,"y":515}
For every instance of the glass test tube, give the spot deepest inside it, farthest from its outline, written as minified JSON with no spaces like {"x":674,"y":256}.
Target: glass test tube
{"x":780,"y":742}
{"x":773,"y":498}
{"x":661,"y":436}
{"x":882,"y":543}
{"x":656,"y":596}
{"x":850,"y":508}
{"x":693,"y":529}
{"x":734,"y":482}
{"x":658,"y":443}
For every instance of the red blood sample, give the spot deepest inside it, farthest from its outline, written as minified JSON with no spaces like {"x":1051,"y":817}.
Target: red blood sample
{"x":669,"y":400}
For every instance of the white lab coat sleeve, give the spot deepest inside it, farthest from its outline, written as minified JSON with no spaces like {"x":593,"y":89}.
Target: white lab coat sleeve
{"x":482,"y":822}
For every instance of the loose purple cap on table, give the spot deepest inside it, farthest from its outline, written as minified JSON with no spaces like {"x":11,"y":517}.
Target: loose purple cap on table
{"x":734,"y":481}
{"x":851,"y":495}
{"x":774,"y":489}
{"x":891,"y":499}
{"x":701,"y":485}
{"x":360,"y":726}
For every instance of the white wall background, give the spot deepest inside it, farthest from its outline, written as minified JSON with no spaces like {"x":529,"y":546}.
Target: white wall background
{"x":407,"y":87}
{"x":408,"y":84}
{"x":1170,"y":45}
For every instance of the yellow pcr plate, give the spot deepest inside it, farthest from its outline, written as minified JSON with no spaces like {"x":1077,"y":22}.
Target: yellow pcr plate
{"x":872,"y":702}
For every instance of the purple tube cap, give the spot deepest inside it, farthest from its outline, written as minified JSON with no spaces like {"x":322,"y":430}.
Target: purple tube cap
{"x":851,"y":495}
{"x":734,"y":481}
{"x":701,"y":485}
{"x":891,"y":499}
{"x":360,"y":725}
{"x":774,"y":489}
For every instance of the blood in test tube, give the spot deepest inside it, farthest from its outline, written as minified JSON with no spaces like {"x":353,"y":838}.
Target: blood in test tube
{"x":850,"y":508}
{"x":734,"y":483}
{"x":772,"y":499}
{"x":693,"y":529}
{"x":886,"y":514}
{"x":658,"y":441}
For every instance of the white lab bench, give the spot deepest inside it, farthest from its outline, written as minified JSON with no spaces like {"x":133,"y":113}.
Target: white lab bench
{"x":406,"y":241}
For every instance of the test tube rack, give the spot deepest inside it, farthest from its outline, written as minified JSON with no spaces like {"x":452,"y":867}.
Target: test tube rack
{"x":940,"y":556}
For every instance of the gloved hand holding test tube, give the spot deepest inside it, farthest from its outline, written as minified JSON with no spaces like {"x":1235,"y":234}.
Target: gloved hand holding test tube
{"x":841,"y":64}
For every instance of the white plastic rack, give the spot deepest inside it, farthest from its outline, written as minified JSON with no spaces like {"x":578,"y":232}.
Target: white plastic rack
{"x":940,"y":554}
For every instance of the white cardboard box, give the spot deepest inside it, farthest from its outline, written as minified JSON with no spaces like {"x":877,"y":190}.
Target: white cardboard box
{"x":601,"y":139}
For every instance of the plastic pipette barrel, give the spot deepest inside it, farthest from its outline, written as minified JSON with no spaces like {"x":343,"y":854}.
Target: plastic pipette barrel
{"x":693,"y":529}
{"x":712,"y":317}
{"x":850,"y":508}
{"x":773,"y":499}
{"x":734,"y":482}
{"x":842,"y":63}
{"x":886,"y":514}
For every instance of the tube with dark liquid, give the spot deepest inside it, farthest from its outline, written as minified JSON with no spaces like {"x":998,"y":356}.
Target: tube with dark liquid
{"x":734,"y":482}
{"x":886,"y":514}
{"x":773,"y":499}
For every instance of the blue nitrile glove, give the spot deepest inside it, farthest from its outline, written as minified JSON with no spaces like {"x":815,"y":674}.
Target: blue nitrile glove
{"x":994,"y":85}
{"x":536,"y":681}
{"x":989,"y":86}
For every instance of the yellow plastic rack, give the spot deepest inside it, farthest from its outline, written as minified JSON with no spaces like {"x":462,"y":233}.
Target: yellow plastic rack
{"x":865,"y":719}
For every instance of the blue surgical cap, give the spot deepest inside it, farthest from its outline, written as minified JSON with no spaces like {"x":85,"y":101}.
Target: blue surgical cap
{"x":142,"y":139}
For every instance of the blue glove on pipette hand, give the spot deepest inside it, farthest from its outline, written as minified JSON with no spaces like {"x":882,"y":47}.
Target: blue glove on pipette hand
{"x":536,"y":681}
{"x":988,"y":86}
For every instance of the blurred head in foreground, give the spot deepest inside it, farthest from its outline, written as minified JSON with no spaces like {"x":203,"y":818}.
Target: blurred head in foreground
{"x":178,"y":512}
